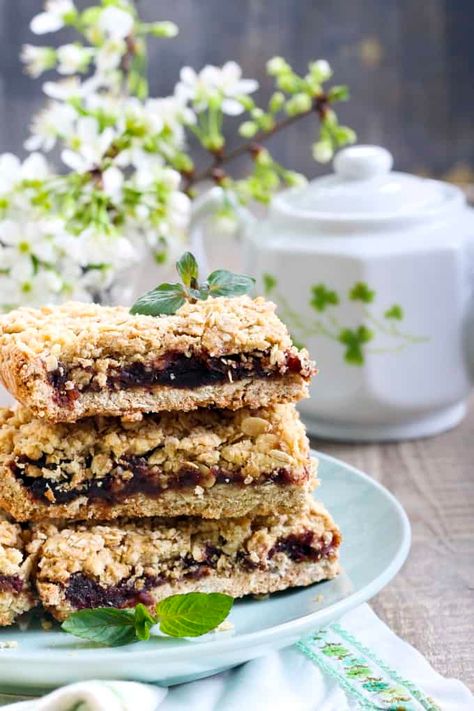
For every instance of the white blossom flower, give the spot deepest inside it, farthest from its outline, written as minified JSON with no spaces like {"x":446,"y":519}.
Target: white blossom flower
{"x":10,"y":168}
{"x":71,"y":88}
{"x":73,"y":287}
{"x":112,"y":106}
{"x":109,"y":55}
{"x":138,"y":114}
{"x":171,"y":113}
{"x":44,"y":287}
{"x":25,"y":240}
{"x":12,"y":171}
{"x":73,"y":58}
{"x":222,"y":83}
{"x":34,"y":167}
{"x":149,"y":170}
{"x":53,"y":18}
{"x":88,"y":145}
{"x":37,"y":59}
{"x":55,"y":121}
{"x":95,"y":247}
{"x":112,"y":181}
{"x":115,"y":22}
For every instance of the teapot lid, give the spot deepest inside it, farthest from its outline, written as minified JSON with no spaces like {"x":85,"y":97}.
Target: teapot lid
{"x":364,"y":187}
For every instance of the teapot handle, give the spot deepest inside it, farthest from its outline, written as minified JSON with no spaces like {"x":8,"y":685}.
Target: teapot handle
{"x":205,"y":206}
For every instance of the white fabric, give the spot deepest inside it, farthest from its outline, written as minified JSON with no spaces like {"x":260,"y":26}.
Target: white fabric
{"x":281,"y":681}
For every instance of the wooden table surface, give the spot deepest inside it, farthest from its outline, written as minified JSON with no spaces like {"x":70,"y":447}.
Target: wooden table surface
{"x":431,"y":601}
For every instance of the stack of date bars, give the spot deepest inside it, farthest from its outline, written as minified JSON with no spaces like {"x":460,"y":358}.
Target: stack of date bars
{"x":154,"y":455}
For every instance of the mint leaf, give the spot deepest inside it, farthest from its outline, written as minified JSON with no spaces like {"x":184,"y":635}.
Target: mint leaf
{"x":189,"y":615}
{"x":167,"y":298}
{"x":224,"y":283}
{"x":144,"y":621}
{"x":187,"y":269}
{"x":164,"y":299}
{"x":193,"y":614}
{"x":104,"y":625}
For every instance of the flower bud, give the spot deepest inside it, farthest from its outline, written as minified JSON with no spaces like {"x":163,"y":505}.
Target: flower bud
{"x":163,"y":29}
{"x":298,"y":104}
{"x":322,"y":151}
{"x":248,"y":129}
{"x":345,"y":135}
{"x":277,"y":102}
{"x":276,"y":65}
{"x":320,"y":70}
{"x":295,"y":180}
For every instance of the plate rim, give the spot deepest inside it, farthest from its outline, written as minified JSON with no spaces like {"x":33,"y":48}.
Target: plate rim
{"x":261,"y":637}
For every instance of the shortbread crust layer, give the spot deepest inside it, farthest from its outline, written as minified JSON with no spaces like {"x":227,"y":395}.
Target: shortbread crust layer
{"x":121,"y":565}
{"x":77,"y":360}
{"x":209,"y":463}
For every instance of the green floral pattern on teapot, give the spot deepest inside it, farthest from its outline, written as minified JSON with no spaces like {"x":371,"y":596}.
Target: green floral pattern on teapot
{"x":356,"y":341}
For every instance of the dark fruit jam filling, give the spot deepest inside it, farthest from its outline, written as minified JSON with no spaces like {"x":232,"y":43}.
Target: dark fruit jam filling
{"x":302,"y":547}
{"x":84,"y":592}
{"x":176,"y":371}
{"x":11,"y":583}
{"x":145,"y":479}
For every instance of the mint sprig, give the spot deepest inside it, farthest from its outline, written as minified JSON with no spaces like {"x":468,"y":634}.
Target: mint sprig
{"x":168,"y":298}
{"x":105,"y":625}
{"x":193,"y":614}
{"x":188,"y":615}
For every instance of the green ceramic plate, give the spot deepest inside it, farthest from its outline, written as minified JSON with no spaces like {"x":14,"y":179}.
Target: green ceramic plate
{"x":376,"y":541}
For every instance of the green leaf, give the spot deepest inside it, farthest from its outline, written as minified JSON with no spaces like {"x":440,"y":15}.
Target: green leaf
{"x":164,"y":299}
{"x":188,"y":270}
{"x":144,"y":621}
{"x":338,"y":93}
{"x":224,"y":283}
{"x":322,"y":297}
{"x":269,"y":283}
{"x":162,"y":29}
{"x":193,"y":614}
{"x":361,"y":292}
{"x":394,"y":312}
{"x":104,"y":625}
{"x":354,"y":340}
{"x":167,"y":298}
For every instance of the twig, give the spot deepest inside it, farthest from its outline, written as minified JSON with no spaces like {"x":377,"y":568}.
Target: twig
{"x":214,"y":169}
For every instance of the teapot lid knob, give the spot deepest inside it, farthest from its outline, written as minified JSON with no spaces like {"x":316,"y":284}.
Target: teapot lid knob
{"x":361,"y":162}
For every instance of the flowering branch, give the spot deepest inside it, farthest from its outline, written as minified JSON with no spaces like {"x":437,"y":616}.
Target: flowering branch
{"x":129,"y":174}
{"x":252,"y":147}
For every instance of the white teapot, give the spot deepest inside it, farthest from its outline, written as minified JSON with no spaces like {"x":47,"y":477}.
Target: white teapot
{"x":371,"y":271}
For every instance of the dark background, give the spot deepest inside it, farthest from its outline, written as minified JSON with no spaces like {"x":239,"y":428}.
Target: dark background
{"x":409,"y":65}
